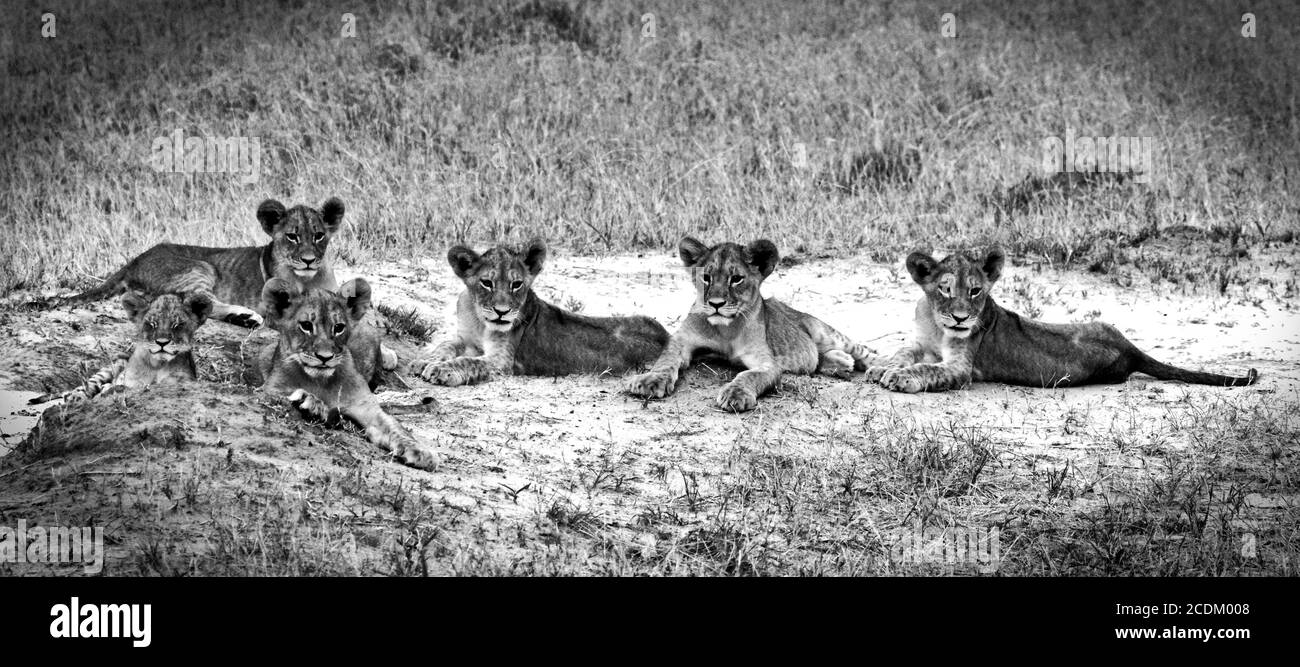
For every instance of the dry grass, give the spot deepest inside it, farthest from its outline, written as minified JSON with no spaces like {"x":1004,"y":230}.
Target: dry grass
{"x":451,"y":121}
{"x":484,"y":122}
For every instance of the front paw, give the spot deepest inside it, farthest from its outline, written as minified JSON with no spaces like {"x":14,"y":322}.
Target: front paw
{"x":314,"y":409}
{"x":836,"y":363}
{"x":243,"y":317}
{"x":387,"y":358}
{"x":737,"y":398}
{"x":874,"y":373}
{"x":417,"y":456}
{"x":902,"y":379}
{"x":651,"y":385}
{"x":455,"y":373}
{"x":405,"y":449}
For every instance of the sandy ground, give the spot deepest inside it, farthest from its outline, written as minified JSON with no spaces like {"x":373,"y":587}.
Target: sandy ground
{"x":519,"y":448}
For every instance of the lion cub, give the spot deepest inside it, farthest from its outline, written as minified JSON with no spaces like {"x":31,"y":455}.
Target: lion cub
{"x":963,"y":335}
{"x":503,"y":327}
{"x":731,"y":318}
{"x":325,"y":360}
{"x":163,"y":350}
{"x":233,"y":277}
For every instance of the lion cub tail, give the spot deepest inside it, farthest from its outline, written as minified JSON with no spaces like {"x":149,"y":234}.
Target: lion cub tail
{"x":112,"y":286}
{"x":1166,"y":372}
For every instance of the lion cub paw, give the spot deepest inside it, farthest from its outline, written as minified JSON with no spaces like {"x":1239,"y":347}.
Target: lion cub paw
{"x":417,"y":456}
{"x":314,"y":409}
{"x":451,"y":374}
{"x":737,"y":398}
{"x":405,"y":449}
{"x":901,"y":379}
{"x":650,"y":385}
{"x":243,"y":317}
{"x":836,"y":363}
{"x":874,"y":373}
{"x":387,"y":358}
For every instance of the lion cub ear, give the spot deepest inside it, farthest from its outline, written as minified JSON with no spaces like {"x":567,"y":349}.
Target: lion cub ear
{"x":332,"y":213}
{"x":276,"y":296}
{"x":357,"y":292}
{"x":200,"y":304}
{"x":270,"y":213}
{"x":462,"y":260}
{"x":135,"y":302}
{"x":763,"y":256}
{"x":993,"y":263}
{"x":921,"y":266}
{"x":691,"y":251}
{"x":534,"y":256}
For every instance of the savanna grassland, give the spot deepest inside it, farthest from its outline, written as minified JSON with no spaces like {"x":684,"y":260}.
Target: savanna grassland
{"x":847,"y":132}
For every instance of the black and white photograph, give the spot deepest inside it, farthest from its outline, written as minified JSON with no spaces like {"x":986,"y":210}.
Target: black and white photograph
{"x":905,"y":292}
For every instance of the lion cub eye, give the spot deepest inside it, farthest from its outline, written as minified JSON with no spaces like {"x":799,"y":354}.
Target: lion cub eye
{"x":487,"y":284}
{"x":293,"y":238}
{"x":706,"y":278}
{"x":151,"y":324}
{"x":974,"y":292}
{"x":338,"y":328}
{"x":320,"y":236}
{"x":737,"y":279}
{"x":514,"y":286}
{"x":305,"y":326}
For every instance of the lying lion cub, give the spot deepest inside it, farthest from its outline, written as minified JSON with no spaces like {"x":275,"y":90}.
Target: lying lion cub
{"x":963,"y":335}
{"x":233,"y":277}
{"x":162,"y":352}
{"x":503,"y":327}
{"x":730,"y":317}
{"x":323,"y":371}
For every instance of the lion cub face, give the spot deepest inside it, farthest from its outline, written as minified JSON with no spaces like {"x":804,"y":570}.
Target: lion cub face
{"x":301,"y":235}
{"x":500,"y":280}
{"x":315,"y":325}
{"x":957,"y":288}
{"x":727,"y":276}
{"x":165,"y":325}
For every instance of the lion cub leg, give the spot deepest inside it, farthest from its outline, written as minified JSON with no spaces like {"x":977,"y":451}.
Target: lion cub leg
{"x":98,"y":383}
{"x":385,"y":431}
{"x":741,"y":394}
{"x":836,"y":354}
{"x":878,"y":366}
{"x":442,"y":352}
{"x":661,"y":380}
{"x":953,"y":372}
{"x":498,"y":359}
{"x":199,"y":277}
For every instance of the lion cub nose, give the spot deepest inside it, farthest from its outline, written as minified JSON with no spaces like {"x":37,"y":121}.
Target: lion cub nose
{"x":959,"y":318}
{"x":308,"y":259}
{"x":162,"y":342}
{"x":717,"y":303}
{"x":501,"y":312}
{"x":324,"y":356}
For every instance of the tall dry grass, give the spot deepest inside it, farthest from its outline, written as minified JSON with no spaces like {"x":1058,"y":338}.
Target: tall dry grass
{"x":468,"y":121}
